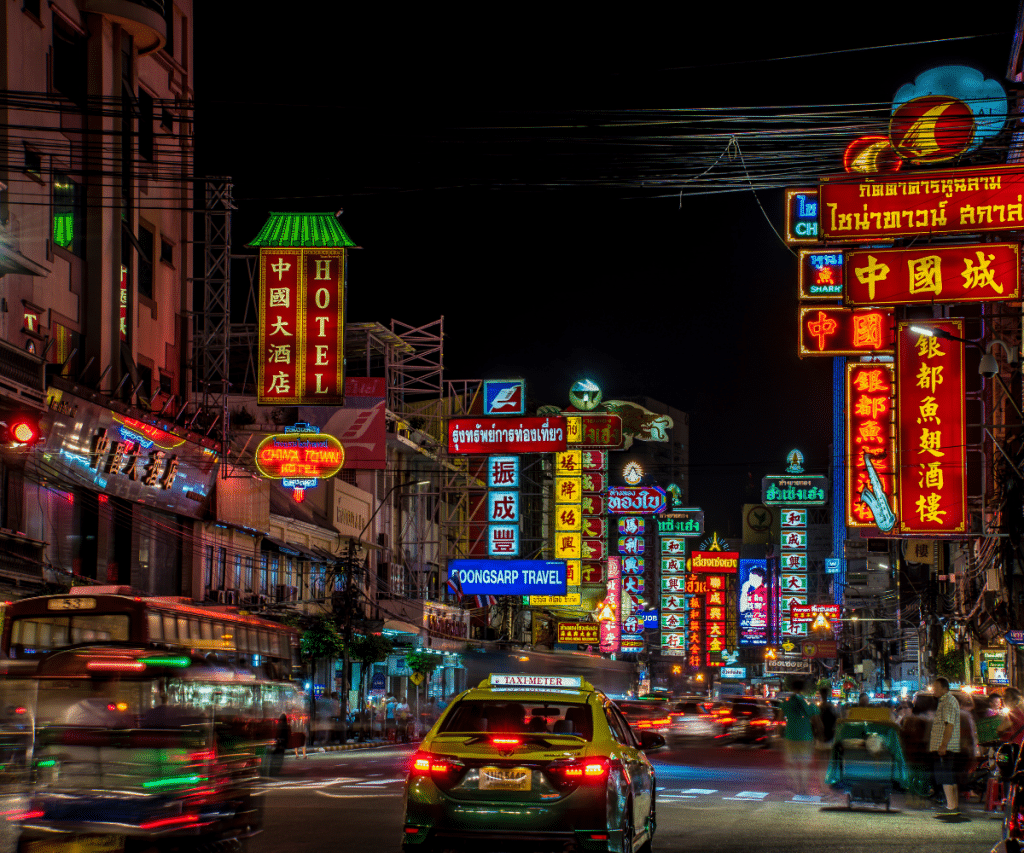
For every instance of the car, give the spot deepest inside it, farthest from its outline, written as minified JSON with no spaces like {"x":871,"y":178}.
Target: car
{"x":693,"y":719}
{"x":544,"y":760}
{"x":753,"y":721}
{"x":647,"y":714}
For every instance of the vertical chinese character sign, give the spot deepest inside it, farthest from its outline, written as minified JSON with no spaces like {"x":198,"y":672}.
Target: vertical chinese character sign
{"x":503,"y":506}
{"x":793,"y":558}
{"x":931,"y":430}
{"x":301,"y":358}
{"x":675,"y":608}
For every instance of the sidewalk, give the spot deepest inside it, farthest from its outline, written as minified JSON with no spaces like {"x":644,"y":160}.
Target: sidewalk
{"x":374,"y":743}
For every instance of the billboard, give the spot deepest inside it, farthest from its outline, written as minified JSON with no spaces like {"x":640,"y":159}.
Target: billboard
{"x":301,"y":357}
{"x":579,"y":632}
{"x":870,"y":437}
{"x":754,"y":589}
{"x":931,"y":430}
{"x":825,"y":330}
{"x":801,"y":216}
{"x":800,"y":490}
{"x":643,"y":500}
{"x":979,"y":272}
{"x":681,"y":522}
{"x":820,"y":277}
{"x":508,"y":577}
{"x":950,"y":201}
{"x":719,"y":562}
{"x":504,"y":397}
{"x":507,"y":435}
{"x":594,"y":430}
{"x":359,"y":425}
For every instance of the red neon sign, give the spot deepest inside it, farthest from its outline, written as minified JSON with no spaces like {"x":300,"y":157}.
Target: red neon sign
{"x":931,"y":429}
{"x":825,"y":330}
{"x":869,"y":417}
{"x":300,"y":455}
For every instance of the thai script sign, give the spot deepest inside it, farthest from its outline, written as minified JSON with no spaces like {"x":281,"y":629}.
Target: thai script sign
{"x":808,"y":612}
{"x":644,"y":500}
{"x":807,"y":490}
{"x":755,"y":589}
{"x":820,"y":276}
{"x":302,"y":327}
{"x":844,"y":331}
{"x":951,"y":201}
{"x":715,"y":561}
{"x":682,"y":522}
{"x":931,"y":427}
{"x":508,"y":435}
{"x":588,"y":633}
{"x":982,"y":272}
{"x":801,"y":216}
{"x":610,"y":626}
{"x":869,"y":436}
{"x":509,"y":577}
{"x":819,"y":649}
{"x":594,"y":430}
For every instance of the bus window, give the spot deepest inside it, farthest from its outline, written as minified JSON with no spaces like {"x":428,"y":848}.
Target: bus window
{"x":170,"y":628}
{"x":91,"y":628}
{"x":194,"y":630}
{"x":226,"y":634}
{"x":265,"y":643}
{"x":243,"y":644}
{"x":207,"y":629}
{"x":156,"y":627}
{"x":183,"y":632}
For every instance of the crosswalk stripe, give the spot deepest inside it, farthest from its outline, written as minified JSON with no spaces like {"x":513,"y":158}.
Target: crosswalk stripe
{"x":701,"y":791}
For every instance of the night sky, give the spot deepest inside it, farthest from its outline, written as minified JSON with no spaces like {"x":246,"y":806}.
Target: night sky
{"x":393,"y":116}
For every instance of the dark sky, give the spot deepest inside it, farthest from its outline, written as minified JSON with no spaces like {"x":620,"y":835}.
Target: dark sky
{"x":387,"y":113}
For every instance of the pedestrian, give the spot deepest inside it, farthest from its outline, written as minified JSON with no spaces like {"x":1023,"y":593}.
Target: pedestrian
{"x":1011,"y":730}
{"x":402,"y":718}
{"x":966,"y":760}
{"x":798,"y":738}
{"x":390,"y":705}
{"x":336,"y":728}
{"x":995,"y":705}
{"x":944,"y":743}
{"x":281,"y":736}
{"x":823,"y":743}
{"x":863,"y":701}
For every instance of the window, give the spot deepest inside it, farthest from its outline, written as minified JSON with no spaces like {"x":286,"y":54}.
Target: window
{"x":70,"y":62}
{"x":32,"y":7}
{"x":146,"y":147}
{"x":33,"y":163}
{"x":222,"y":566}
{"x":249,"y":583}
{"x":236,"y":581}
{"x":166,"y":252}
{"x":146,"y":240}
{"x":263,"y":574}
{"x":167,"y":120}
{"x":208,"y":581}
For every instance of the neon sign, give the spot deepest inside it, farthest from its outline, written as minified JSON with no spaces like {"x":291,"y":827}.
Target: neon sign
{"x":830,"y":331}
{"x":801,"y":216}
{"x":869,"y":438}
{"x":300,"y":456}
{"x":820,"y":275}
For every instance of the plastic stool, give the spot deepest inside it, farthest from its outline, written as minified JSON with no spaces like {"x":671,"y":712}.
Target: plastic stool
{"x":993,"y":795}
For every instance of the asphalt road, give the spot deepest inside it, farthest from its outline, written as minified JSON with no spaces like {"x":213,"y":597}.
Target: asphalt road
{"x":710,"y":799}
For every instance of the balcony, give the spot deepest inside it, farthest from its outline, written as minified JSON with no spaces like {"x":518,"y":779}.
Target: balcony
{"x":143,"y":19}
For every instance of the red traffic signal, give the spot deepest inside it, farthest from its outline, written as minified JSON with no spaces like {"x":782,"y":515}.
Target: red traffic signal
{"x":20,"y":430}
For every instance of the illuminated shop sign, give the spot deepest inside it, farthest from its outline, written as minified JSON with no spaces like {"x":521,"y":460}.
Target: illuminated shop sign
{"x":801,"y":216}
{"x":951,"y":201}
{"x":820,"y":275}
{"x":509,"y":577}
{"x":631,"y":524}
{"x":503,"y":540}
{"x":594,"y":526}
{"x":304,"y":453}
{"x":673,"y":565}
{"x":584,"y":633}
{"x":302,"y":327}
{"x":754,"y":590}
{"x":843,"y":331}
{"x":673,"y":545}
{"x":594,"y":430}
{"x":719,"y":562}
{"x":715,"y":616}
{"x":807,"y":490}
{"x":609,"y":611}
{"x":86,"y":446}
{"x":681,"y":522}
{"x":503,"y":472}
{"x":931,"y":427}
{"x":980,"y":272}
{"x":507,"y":435}
{"x":504,"y":397}
{"x":642,"y":500}
{"x":869,"y":437}
{"x":793,"y":518}
{"x":808,"y":612}
{"x":594,"y":505}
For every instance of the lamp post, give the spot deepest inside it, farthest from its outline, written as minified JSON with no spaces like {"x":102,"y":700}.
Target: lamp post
{"x":349,"y":591}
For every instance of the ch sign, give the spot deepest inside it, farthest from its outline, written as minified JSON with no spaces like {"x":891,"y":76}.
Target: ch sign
{"x":508,"y":577}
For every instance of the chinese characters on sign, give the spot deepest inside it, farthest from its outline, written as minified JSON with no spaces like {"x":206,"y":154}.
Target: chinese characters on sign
{"x":584,"y":633}
{"x":609,"y":620}
{"x":594,"y":430}
{"x":842,"y":331}
{"x":951,"y":201}
{"x":755,"y":586}
{"x":821,"y":275}
{"x":931,"y":427}
{"x":302,"y":327}
{"x":503,"y":506}
{"x":793,"y":563}
{"x":982,"y":272}
{"x":869,"y":434}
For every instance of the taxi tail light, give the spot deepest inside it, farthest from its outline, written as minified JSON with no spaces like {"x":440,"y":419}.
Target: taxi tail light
{"x":760,"y":722}
{"x":572,"y":773}
{"x":440,"y":768}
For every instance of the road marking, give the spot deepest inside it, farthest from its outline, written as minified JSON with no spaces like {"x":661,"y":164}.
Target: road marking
{"x":701,"y":791}
{"x":748,"y":795}
{"x":383,"y":782}
{"x":806,"y":798}
{"x":357,"y":796}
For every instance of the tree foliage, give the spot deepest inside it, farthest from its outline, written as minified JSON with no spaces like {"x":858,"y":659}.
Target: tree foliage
{"x":321,"y":640}
{"x":370,"y":648}
{"x":421,"y":661}
{"x":951,"y":665}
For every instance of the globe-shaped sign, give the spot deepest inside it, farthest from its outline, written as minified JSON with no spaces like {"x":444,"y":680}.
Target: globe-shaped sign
{"x":585,"y":395}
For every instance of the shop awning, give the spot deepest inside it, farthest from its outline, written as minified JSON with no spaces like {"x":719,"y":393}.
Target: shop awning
{"x":398,"y":626}
{"x":289,"y":548}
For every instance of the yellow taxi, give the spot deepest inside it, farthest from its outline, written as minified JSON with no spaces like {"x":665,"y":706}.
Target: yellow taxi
{"x":543,"y":759}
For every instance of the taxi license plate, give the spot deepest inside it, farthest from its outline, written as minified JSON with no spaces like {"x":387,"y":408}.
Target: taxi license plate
{"x":78,"y":844}
{"x":505,"y":779}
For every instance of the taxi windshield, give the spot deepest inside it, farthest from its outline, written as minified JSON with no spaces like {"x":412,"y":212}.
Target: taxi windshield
{"x":515,"y":715}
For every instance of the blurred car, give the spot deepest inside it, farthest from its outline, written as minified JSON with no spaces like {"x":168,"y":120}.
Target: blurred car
{"x":696,"y":719}
{"x":753,"y":721}
{"x":541,"y":760}
{"x":647,"y":715}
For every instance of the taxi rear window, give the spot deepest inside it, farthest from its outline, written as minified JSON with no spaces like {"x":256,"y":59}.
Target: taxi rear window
{"x":567,"y":718}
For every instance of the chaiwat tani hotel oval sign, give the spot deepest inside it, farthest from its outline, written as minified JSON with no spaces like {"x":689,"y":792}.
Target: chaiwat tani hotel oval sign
{"x":299,"y":455}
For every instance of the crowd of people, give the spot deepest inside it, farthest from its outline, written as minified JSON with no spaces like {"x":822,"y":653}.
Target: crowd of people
{"x":948,"y":738}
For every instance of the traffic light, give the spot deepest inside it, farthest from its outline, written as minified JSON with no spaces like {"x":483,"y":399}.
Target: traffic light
{"x":20,"y":430}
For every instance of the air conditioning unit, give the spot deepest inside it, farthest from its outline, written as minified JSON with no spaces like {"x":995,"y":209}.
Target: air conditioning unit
{"x":287,"y":593}
{"x":231,"y":596}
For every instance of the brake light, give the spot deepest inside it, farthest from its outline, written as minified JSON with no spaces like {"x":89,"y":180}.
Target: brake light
{"x":759,"y":722}
{"x":440,"y":768}
{"x":506,"y":741}
{"x":727,"y":720}
{"x":677,"y":714}
{"x":570,"y":773}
